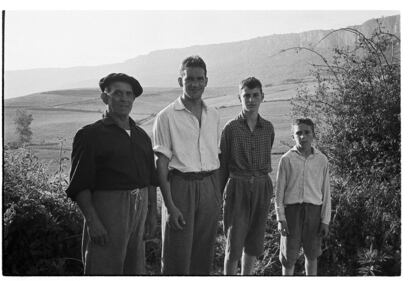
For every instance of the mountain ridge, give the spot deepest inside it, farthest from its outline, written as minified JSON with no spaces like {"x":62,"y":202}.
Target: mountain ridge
{"x":227,"y":62}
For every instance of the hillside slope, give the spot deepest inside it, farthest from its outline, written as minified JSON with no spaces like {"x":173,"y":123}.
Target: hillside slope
{"x":227,"y":62}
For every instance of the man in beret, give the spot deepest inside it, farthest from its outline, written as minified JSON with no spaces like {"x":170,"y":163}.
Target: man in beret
{"x":113,"y":181}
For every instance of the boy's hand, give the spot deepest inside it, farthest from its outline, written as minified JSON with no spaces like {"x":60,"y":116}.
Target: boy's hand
{"x":283,"y":228}
{"x":175,"y":219}
{"x":324,"y":230}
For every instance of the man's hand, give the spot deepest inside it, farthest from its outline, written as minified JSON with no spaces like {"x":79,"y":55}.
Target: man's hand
{"x":97,"y":232}
{"x":150,"y":224}
{"x":283,"y":228}
{"x":324,"y":230}
{"x":175,"y":219}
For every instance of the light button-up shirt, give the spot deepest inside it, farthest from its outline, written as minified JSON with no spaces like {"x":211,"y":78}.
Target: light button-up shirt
{"x":178,"y":135}
{"x":303,"y":180}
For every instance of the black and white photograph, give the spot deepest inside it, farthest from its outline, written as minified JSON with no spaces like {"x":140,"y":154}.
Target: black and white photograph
{"x":202,"y":141}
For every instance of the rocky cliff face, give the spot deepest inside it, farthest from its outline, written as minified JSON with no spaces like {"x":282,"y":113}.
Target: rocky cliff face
{"x":227,"y":63}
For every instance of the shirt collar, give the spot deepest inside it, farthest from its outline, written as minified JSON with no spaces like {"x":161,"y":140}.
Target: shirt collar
{"x":243,"y":119}
{"x":179,"y":105}
{"x":107,"y":120}
{"x":314,"y":150}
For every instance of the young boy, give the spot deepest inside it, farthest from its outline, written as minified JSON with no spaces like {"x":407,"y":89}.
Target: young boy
{"x":303,"y":200}
{"x":246,"y":144}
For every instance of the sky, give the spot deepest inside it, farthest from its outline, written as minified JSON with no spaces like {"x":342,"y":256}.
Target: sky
{"x":66,"y":38}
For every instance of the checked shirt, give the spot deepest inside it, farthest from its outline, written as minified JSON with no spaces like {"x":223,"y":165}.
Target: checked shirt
{"x":244,"y":152}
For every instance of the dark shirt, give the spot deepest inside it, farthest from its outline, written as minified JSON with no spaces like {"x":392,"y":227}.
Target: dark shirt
{"x":244,"y":152}
{"x":105,"y":157}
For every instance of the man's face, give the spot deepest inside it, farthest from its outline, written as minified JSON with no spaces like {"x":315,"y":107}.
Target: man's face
{"x":303,"y":136}
{"x":251,"y":99}
{"x":193,"y":81}
{"x":120,"y":98}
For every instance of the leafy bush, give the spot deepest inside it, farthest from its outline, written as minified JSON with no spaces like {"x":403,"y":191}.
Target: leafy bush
{"x":269,"y":263}
{"x":356,"y":106}
{"x":41,"y":227}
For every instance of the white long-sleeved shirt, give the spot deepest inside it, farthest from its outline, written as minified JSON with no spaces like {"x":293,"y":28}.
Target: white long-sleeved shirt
{"x":303,"y":180}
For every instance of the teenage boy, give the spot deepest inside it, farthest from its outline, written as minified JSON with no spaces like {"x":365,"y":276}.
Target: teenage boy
{"x":246,"y":144}
{"x":186,"y":142}
{"x":113,"y":181}
{"x":303,"y":200}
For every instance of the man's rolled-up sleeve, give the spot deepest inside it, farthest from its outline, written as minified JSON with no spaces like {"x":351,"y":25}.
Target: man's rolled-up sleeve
{"x":83,"y":169}
{"x":162,"y":137}
{"x":153,"y":171}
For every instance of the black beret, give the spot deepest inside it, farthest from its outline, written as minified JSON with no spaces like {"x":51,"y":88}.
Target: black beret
{"x":113,"y":77}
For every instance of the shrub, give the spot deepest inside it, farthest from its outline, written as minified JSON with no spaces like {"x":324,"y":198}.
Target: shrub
{"x":356,"y":106}
{"x":41,"y":227}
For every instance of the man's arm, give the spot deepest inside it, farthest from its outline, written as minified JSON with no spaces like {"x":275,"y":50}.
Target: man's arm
{"x":96,"y":229}
{"x":82,"y":176}
{"x":224,"y":157}
{"x":175,"y":218}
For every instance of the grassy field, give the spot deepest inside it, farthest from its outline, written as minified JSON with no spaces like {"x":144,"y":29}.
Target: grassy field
{"x":57,"y":115}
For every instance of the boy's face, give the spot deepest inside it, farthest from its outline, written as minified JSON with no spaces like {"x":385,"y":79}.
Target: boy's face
{"x":193,"y":81}
{"x":251,"y":99}
{"x":303,"y":136}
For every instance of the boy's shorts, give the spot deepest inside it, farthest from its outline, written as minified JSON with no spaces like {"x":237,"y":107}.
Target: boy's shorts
{"x":303,"y":222}
{"x":246,"y":206}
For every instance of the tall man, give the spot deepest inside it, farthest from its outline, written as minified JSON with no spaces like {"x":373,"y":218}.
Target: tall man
{"x":112,"y":180}
{"x":186,"y":141}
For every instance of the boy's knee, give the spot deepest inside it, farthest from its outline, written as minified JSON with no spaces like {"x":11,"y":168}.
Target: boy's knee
{"x":250,"y":253}
{"x":311,"y":259}
{"x":287,"y":263}
{"x":233,"y":256}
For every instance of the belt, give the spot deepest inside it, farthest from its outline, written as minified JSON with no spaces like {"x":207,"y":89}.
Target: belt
{"x":190,"y":175}
{"x":248,"y":177}
{"x":303,"y":204}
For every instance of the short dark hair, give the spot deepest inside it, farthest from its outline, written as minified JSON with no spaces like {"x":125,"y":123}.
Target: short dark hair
{"x":193,"y":61}
{"x":306,"y":121}
{"x":251,"y":83}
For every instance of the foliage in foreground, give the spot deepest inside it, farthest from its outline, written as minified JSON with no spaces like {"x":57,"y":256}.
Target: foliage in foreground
{"x":356,"y":106}
{"x":41,"y":227}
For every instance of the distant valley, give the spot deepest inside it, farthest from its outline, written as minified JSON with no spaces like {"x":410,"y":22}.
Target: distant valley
{"x":57,"y":115}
